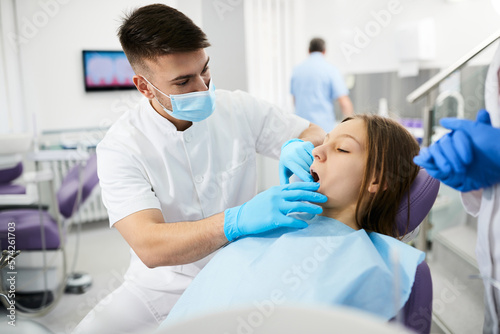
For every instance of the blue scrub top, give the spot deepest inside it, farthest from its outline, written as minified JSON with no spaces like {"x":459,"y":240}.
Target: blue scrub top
{"x":316,"y":84}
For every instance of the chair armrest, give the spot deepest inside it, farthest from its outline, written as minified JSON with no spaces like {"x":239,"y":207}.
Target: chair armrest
{"x":30,"y":179}
{"x":9,"y":161}
{"x":24,"y":199}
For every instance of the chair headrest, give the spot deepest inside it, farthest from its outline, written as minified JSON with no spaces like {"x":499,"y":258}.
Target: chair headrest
{"x":68,"y":192}
{"x":10,"y":174}
{"x":423,"y":193}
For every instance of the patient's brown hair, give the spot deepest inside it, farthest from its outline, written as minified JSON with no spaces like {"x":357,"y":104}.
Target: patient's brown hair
{"x":390,"y":152}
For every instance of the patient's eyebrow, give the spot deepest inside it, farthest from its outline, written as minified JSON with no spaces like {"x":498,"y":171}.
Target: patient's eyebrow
{"x":353,"y":138}
{"x":326,"y":138}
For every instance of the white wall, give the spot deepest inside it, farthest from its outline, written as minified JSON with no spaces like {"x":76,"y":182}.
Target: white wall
{"x":53,"y":34}
{"x":460,"y":25}
{"x":193,"y":9}
{"x":223,"y":22}
{"x":12,"y":118}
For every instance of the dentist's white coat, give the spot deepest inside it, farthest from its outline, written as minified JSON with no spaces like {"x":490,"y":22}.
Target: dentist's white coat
{"x":485,"y":204}
{"x":145,"y":163}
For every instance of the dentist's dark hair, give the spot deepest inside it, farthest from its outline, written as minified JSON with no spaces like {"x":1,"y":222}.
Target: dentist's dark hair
{"x":390,"y":151}
{"x":157,"y":30}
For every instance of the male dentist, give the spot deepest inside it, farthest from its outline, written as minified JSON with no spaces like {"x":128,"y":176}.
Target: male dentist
{"x":178,"y":173}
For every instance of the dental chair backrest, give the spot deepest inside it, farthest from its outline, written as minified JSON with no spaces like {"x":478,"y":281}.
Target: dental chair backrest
{"x":85,"y":179}
{"x":27,"y":220}
{"x":423,"y":194}
{"x":12,"y":146}
{"x":7,"y":175}
{"x":417,"y":312}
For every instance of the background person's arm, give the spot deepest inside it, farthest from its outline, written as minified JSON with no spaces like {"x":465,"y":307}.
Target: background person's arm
{"x":345,"y":104}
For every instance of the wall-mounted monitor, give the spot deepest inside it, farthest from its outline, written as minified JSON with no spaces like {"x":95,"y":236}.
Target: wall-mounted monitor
{"x":106,"y":70}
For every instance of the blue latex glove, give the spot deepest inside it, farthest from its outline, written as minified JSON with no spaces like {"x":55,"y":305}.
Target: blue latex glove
{"x":268,"y":210}
{"x":447,"y":159}
{"x":468,"y":158}
{"x":296,"y":158}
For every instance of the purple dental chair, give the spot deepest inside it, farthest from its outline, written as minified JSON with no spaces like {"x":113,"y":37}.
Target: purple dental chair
{"x":31,"y":223}
{"x":7,"y":176}
{"x":417,"y":312}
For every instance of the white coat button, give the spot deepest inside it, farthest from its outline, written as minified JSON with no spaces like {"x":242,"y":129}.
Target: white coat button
{"x":198,"y":179}
{"x":188,"y":137}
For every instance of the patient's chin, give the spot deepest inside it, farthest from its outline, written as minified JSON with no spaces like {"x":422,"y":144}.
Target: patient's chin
{"x":322,"y":191}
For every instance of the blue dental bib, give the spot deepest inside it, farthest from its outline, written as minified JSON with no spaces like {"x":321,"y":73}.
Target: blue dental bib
{"x":327,"y":263}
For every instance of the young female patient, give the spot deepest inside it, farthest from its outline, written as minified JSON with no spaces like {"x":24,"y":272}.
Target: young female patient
{"x":345,"y":255}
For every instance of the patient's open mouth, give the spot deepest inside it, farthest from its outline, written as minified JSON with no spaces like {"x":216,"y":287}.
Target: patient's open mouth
{"x":314,"y":176}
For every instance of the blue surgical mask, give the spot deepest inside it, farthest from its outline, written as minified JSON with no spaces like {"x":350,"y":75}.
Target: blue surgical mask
{"x":193,"y":107}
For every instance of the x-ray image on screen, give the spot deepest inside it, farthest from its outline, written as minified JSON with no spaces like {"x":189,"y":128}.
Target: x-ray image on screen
{"x":107,"y":70}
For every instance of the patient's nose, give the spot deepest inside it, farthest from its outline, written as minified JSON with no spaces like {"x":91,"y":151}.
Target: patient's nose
{"x":318,"y":153}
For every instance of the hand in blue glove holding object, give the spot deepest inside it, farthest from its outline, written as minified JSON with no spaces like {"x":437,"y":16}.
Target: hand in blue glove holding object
{"x":468,"y":158}
{"x":447,"y":159}
{"x":296,"y":158}
{"x":268,"y":210}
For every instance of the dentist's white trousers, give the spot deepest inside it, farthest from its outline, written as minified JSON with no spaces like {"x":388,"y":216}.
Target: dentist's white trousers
{"x":129,"y":309}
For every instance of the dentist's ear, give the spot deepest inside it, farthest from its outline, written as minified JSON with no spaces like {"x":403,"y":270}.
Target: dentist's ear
{"x":142,"y":86}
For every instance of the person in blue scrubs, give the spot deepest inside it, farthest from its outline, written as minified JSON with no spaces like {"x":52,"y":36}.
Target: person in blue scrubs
{"x":316,"y":85}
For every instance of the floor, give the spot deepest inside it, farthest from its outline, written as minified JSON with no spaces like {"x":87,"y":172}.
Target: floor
{"x":105,"y":256}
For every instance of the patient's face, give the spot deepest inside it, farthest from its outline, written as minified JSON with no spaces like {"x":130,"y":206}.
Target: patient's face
{"x":339,"y":165}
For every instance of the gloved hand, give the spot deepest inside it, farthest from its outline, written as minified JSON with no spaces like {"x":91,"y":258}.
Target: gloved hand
{"x":468,"y":158}
{"x":296,"y":158}
{"x":268,"y":210}
{"x":447,"y":159}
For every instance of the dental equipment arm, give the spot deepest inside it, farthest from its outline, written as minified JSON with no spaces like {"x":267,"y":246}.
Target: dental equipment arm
{"x":165,"y":244}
